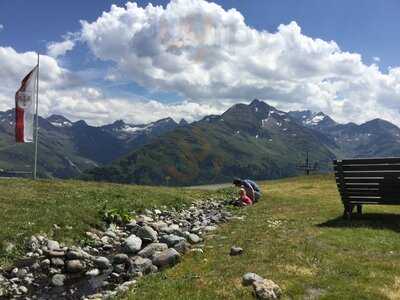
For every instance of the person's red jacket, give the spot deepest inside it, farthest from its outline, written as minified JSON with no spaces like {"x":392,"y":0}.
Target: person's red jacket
{"x":246,"y":200}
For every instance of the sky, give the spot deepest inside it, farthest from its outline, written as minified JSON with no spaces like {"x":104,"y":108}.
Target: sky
{"x":108,"y":60}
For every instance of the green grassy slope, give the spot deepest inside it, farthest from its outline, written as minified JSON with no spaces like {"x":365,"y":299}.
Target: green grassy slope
{"x":28,"y":207}
{"x":296,"y":237}
{"x":253,"y":141}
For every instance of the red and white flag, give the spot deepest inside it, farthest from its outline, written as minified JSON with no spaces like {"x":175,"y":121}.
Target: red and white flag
{"x":25,"y":108}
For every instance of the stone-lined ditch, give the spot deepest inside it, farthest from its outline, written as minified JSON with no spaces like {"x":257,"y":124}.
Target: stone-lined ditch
{"x":114,"y":258}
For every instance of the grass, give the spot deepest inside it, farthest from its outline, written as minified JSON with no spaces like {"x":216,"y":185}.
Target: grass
{"x":30,"y":207}
{"x":296,"y":237}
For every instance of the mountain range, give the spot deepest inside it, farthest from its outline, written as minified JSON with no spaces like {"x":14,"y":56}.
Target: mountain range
{"x":254,"y":140}
{"x":68,"y":148}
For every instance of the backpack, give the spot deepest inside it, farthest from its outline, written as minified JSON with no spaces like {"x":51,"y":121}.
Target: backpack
{"x":253,"y":185}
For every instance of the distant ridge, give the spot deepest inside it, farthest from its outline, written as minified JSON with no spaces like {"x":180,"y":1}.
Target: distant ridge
{"x":255,"y":140}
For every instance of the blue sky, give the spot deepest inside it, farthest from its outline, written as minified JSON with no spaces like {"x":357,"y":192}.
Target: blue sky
{"x":339,"y":83}
{"x":363,"y":26}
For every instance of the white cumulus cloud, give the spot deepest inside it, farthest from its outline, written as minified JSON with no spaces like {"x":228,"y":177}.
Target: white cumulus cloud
{"x":64,"y":92}
{"x":56,"y":49}
{"x":208,"y":54}
{"x":1,"y":27}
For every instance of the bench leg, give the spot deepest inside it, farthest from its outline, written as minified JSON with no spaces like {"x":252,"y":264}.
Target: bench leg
{"x":348,"y":211}
{"x":359,"y":209}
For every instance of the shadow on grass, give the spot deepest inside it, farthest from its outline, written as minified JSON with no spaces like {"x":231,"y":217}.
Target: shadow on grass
{"x":371,"y":220}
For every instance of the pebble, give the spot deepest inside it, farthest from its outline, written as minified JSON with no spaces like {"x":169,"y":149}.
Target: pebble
{"x":236,"y":251}
{"x":197,"y":251}
{"x":93,"y":273}
{"x":210,"y":228}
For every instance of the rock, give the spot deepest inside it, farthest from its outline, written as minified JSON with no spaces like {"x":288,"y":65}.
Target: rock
{"x":9,"y":247}
{"x":159,"y":225}
{"x":131,"y":224}
{"x":142,"y":219}
{"x":23,"y":289}
{"x":106,"y":240}
{"x":45,"y":264}
{"x":133,"y":227}
{"x":53,"y":245}
{"x":197,"y":251}
{"x":21,"y":273}
{"x":93,"y":273}
{"x":182,"y":247}
{"x":92,"y":235}
{"x":28,"y":279}
{"x":73,"y":254}
{"x":143,"y":265}
{"x":150,"y":249}
{"x":192,"y":238}
{"x":236,"y":251}
{"x":54,"y":253}
{"x":146,"y":233}
{"x":171,"y":239}
{"x":53,"y":271}
{"x":249,"y":278}
{"x":14,"y":272}
{"x":121,"y":258}
{"x":33,"y":243}
{"x":57,"y":262}
{"x":120,"y":268}
{"x":58,"y":280}
{"x":132,"y":244}
{"x":169,"y":257}
{"x":210,"y":228}
{"x":267,"y":289}
{"x":125,"y":286}
{"x":108,"y":247}
{"x":195,"y":229}
{"x":75,"y":266}
{"x":102,"y":263}
{"x":97,"y":296}
{"x":111,"y":234}
{"x":35,"y":266}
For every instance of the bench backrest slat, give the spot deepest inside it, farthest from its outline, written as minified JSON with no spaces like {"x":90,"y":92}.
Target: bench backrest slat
{"x":375,"y":180}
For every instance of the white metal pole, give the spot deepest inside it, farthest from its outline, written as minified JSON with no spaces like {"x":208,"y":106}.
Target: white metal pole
{"x":36,"y":121}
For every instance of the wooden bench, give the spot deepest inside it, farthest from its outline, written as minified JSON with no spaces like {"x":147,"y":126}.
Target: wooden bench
{"x":367,"y":181}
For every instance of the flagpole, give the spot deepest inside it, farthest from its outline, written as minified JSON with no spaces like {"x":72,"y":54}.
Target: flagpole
{"x":36,"y":121}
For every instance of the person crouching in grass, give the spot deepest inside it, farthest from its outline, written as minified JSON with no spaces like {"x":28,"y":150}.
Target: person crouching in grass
{"x":243,"y":200}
